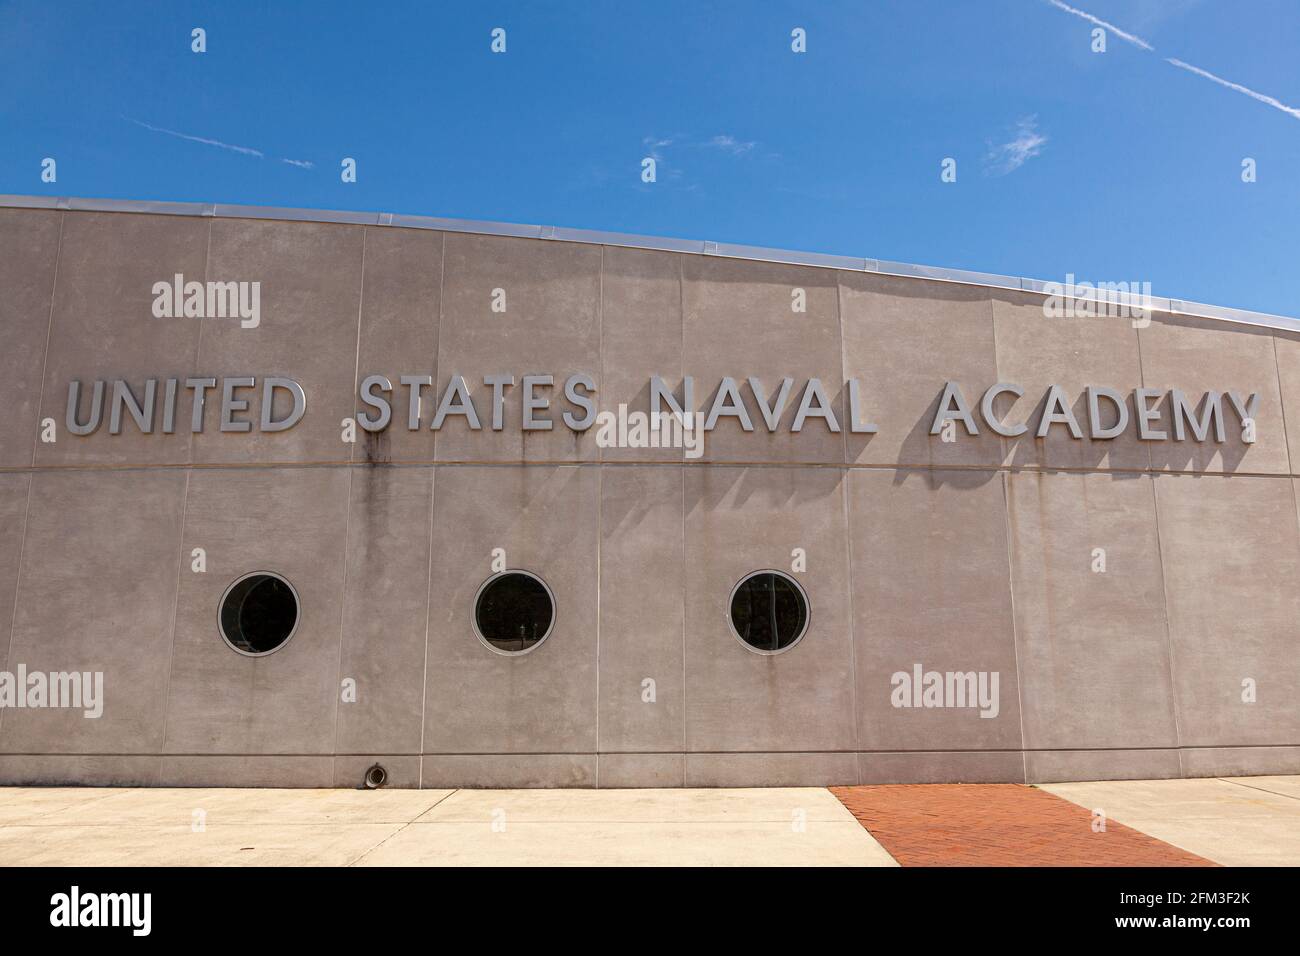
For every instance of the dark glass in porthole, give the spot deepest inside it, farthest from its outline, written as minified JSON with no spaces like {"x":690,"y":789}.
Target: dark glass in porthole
{"x":514,"y":612}
{"x":259,"y":613}
{"x":769,"y":611}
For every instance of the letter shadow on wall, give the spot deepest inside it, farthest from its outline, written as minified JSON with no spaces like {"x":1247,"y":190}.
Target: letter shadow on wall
{"x":1061,"y":450}
{"x":974,"y":459}
{"x":1193,"y":455}
{"x":800,"y":486}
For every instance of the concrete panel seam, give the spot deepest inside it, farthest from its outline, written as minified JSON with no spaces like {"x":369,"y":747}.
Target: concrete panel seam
{"x":31,"y":480}
{"x":18,"y":579}
{"x":600,"y":493}
{"x":433,"y":505}
{"x":1164,"y":581}
{"x":848,"y":412}
{"x":1281,"y":395}
{"x":49,"y":325}
{"x":176,"y":610}
{"x":185,"y":503}
{"x":1169,"y":635}
{"x":428,"y":605}
{"x":1010,"y":543}
{"x":356,"y":364}
{"x":198,"y":339}
{"x":681,"y":313}
{"x":347,"y":515}
{"x":1015,"y":627}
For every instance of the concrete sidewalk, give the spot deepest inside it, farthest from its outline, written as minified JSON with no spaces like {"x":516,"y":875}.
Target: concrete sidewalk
{"x":147,"y":827}
{"x":1231,"y":821}
{"x":1235,"y":821}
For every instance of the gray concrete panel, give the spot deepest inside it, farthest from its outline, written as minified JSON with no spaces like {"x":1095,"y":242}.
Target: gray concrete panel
{"x":1055,"y":766}
{"x":290,"y":521}
{"x":90,"y":770}
{"x":1198,"y":355}
{"x":253,"y":770}
{"x":29,"y":250}
{"x":1036,"y":351}
{"x":399,"y":336}
{"x":1231,"y":554}
{"x":641,"y":335}
{"x":95,"y":595}
{"x":481,"y":701}
{"x":932,"y":591}
{"x":103,"y":327}
{"x":1244,"y":761}
{"x":641,"y":770}
{"x":738,"y":321}
{"x":493,"y":771}
{"x":642,"y":632}
{"x":310,"y":279}
{"x":13,"y":522}
{"x":1286,"y":345}
{"x":741,"y":520}
{"x":903,"y":339}
{"x":1085,"y":567}
{"x":550,"y":326}
{"x":954,"y":766}
{"x":385,"y":610}
{"x":771,"y":770}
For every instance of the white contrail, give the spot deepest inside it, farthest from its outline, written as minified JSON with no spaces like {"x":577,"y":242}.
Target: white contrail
{"x":1123,"y":35}
{"x":1277,"y":105}
{"x":247,"y":151}
{"x":1182,"y":65}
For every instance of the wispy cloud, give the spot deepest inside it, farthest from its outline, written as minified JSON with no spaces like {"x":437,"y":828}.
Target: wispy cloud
{"x":206,"y":141}
{"x":246,"y":150}
{"x":1181,"y":64}
{"x":674,"y":169}
{"x":656,"y":146}
{"x":731,"y":144}
{"x":1027,"y":143}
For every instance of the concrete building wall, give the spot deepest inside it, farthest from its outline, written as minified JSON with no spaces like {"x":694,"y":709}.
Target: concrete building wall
{"x":969,"y":555}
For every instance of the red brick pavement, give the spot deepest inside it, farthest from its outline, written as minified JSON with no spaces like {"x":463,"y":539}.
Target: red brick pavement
{"x":1005,"y":824}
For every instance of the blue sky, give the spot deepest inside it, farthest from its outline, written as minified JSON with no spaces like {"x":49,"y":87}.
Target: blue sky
{"x":1111,"y":166}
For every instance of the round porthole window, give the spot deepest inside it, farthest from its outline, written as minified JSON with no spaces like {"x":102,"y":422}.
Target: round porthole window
{"x":769,"y":612}
{"x":513,"y":612}
{"x":259,"y":613}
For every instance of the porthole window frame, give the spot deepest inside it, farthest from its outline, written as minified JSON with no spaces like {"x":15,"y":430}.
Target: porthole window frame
{"x":478,"y":594}
{"x":297,"y":621}
{"x":808,"y":612}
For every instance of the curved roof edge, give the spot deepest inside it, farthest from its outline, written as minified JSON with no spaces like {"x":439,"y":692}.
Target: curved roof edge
{"x":692,"y":246}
